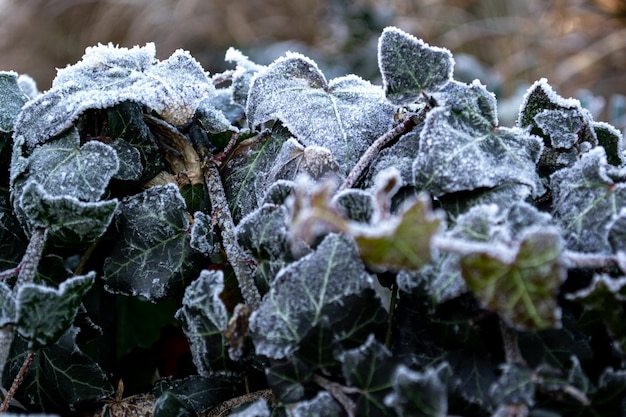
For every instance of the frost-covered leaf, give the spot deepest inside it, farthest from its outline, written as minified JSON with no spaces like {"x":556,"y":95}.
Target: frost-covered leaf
{"x":606,"y":295}
{"x":418,"y":394}
{"x":152,"y":257}
{"x":45,"y":314}
{"x":344,"y":115}
{"x":562,"y":126}
{"x":11,"y":100}
{"x":64,"y":168}
{"x":109,"y":75}
{"x":68,"y":220}
{"x":287,"y":380}
{"x":247,"y":167}
{"x":516,"y":385}
{"x":125,"y":121}
{"x":264,"y":233}
{"x":300,"y":292}
{"x":243,"y":75}
{"x":204,"y":238}
{"x":461,"y":149}
{"x":322,"y":405}
{"x":130,"y":166}
{"x":8,"y":309}
{"x":399,"y":155}
{"x":170,"y":405}
{"x":258,"y":408}
{"x":401,"y":241}
{"x":212,"y":119}
{"x":586,"y":202}
{"x":475,"y":373}
{"x":411,"y":67}
{"x":12,"y":239}
{"x":612,"y":141}
{"x":356,"y":204}
{"x":371,"y":368}
{"x":520,"y":283}
{"x":198,"y":392}
{"x":60,"y":376}
{"x":204,"y":319}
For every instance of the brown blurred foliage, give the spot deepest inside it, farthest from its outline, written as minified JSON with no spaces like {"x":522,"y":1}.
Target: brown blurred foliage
{"x":574,"y":43}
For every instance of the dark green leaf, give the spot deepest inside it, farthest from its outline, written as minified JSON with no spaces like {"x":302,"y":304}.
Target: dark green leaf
{"x":418,"y":394}
{"x":586,"y":201}
{"x":322,"y":405}
{"x":371,"y":368}
{"x":170,"y":405}
{"x":244,"y":73}
{"x":44,"y":314}
{"x":264,"y":233}
{"x":204,"y":237}
{"x":411,"y":67}
{"x":516,"y":385}
{"x":198,"y":392}
{"x":8,"y":309}
{"x":153,"y":257}
{"x":60,"y":376}
{"x":69,"y":221}
{"x":299,"y":293}
{"x":522,"y":283}
{"x":344,"y":115}
{"x":258,"y":408}
{"x":287,"y":380}
{"x":129,"y":157}
{"x":204,"y":319}
{"x":611,"y":140}
{"x":12,"y":240}
{"x":475,"y":374}
{"x":196,"y":198}
{"x":12,"y":98}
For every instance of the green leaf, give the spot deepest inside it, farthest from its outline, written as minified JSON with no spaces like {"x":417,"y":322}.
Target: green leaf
{"x":418,"y":394}
{"x":64,"y":168}
{"x":288,"y":380}
{"x":411,"y":67}
{"x":8,"y":309}
{"x":109,"y":75}
{"x":521,"y":284}
{"x":344,"y":115}
{"x":198,"y":392}
{"x":371,"y":368}
{"x":12,"y":98}
{"x":401,"y":241}
{"x":170,"y":405}
{"x":463,"y":149}
{"x":264,"y":233}
{"x":12,"y":239}
{"x":300,"y":291}
{"x":125,"y":121}
{"x":45,"y":314}
{"x":129,"y":158}
{"x":204,"y":319}
{"x":60,"y":377}
{"x":611,"y":140}
{"x":69,"y":221}
{"x":587,"y":201}
{"x":322,"y":405}
{"x":606,"y":295}
{"x":153,"y":257}
{"x":516,"y":385}
{"x":244,"y":170}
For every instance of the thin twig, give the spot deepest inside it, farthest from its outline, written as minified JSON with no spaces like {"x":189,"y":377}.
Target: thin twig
{"x":234,"y":253}
{"x":226,"y":408}
{"x":17,"y":382}
{"x":338,"y":392}
{"x":380,"y":143}
{"x":219,"y":158}
{"x":10,"y":273}
{"x":392,"y":309}
{"x":589,"y":260}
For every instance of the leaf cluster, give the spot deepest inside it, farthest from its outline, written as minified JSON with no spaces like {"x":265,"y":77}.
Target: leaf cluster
{"x":268,"y":242}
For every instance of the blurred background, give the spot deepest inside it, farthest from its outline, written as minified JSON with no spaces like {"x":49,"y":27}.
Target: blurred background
{"x":579,"y":45}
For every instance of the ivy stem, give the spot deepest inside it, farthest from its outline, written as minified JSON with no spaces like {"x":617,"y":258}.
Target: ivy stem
{"x":17,"y":382}
{"x":31,"y":258}
{"x":338,"y":392}
{"x":234,"y":253}
{"x":367,"y":157}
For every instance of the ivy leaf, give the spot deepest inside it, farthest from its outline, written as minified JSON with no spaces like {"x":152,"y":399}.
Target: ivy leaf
{"x":60,"y":377}
{"x":522,"y":283}
{"x":12,"y":98}
{"x":153,"y":257}
{"x":68,"y":220}
{"x":258,"y":408}
{"x":204,"y":319}
{"x":301,"y":290}
{"x":322,"y":405}
{"x":611,"y":140}
{"x":45,"y":314}
{"x":401,"y":241}
{"x":109,"y":75}
{"x":516,"y":385}
{"x":64,"y":168}
{"x":461,"y":149}
{"x":606,"y":295}
{"x":586,"y":202}
{"x":243,"y":74}
{"x":8,"y":309}
{"x":264,"y":233}
{"x":12,"y":240}
{"x":198,"y":392}
{"x":418,"y":394}
{"x":411,"y":67}
{"x":170,"y":405}
{"x":344,"y":115}
{"x":244,"y":170}
{"x":204,"y":238}
{"x":287,"y":380}
{"x":130,"y":166}
{"x":370,"y":367}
